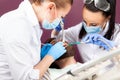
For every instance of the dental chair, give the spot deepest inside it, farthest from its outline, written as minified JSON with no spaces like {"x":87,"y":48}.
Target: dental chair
{"x":106,"y":67}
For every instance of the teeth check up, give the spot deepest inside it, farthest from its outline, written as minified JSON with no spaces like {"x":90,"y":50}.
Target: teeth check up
{"x":23,"y":56}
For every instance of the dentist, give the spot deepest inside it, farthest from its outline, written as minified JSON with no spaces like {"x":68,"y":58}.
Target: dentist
{"x":20,"y":35}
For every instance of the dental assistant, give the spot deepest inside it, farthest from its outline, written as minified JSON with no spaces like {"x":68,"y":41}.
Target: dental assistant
{"x":20,"y":35}
{"x":97,"y":29}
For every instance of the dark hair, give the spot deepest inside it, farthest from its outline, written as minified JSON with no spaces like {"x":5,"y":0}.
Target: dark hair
{"x":59,"y":3}
{"x":69,"y":53}
{"x":111,"y":13}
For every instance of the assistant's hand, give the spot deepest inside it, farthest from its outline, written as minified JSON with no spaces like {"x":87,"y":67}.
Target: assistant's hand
{"x":57,"y":50}
{"x":58,"y":28}
{"x":99,"y":40}
{"x":45,"y":48}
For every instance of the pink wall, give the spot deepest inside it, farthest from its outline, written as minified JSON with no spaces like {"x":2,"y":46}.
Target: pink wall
{"x":74,"y":17}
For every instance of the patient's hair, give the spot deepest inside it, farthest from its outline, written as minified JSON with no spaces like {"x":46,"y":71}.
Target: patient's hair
{"x":69,"y":53}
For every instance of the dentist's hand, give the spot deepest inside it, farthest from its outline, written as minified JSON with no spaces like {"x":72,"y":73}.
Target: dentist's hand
{"x":99,"y":40}
{"x":45,"y":48}
{"x":57,"y":50}
{"x":58,"y":28}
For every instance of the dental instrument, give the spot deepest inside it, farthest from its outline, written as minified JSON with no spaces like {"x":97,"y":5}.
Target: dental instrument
{"x":75,"y":43}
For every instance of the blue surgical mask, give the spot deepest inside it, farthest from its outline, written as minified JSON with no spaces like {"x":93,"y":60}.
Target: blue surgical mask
{"x":47,"y":25}
{"x":92,"y":29}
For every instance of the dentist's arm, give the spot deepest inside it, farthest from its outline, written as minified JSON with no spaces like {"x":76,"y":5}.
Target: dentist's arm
{"x":54,"y":53}
{"x":24,"y":66}
{"x":43,"y":65}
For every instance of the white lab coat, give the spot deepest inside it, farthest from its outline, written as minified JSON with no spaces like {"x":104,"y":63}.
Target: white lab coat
{"x":89,"y":51}
{"x":20,"y":35}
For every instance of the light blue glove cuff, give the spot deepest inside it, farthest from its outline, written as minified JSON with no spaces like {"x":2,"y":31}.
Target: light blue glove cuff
{"x":99,"y":40}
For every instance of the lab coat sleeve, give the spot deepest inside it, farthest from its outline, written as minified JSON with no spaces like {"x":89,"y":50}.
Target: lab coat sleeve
{"x":20,"y":61}
{"x":117,"y":40}
{"x":116,"y":36}
{"x":71,"y":34}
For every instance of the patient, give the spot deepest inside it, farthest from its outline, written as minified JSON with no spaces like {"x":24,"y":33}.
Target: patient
{"x":64,"y":63}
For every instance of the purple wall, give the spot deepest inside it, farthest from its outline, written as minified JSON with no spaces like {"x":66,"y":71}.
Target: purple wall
{"x":7,"y":5}
{"x":74,"y":17}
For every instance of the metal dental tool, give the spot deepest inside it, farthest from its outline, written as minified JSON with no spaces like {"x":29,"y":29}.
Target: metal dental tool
{"x":75,"y":43}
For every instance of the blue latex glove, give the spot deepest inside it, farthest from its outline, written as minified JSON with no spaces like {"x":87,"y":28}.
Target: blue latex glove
{"x":44,"y":50}
{"x":99,"y":40}
{"x":58,"y":28}
{"x":57,"y":50}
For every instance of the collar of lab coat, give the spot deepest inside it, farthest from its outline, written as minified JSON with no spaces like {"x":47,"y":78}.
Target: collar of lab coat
{"x":106,"y":29}
{"x":29,"y":12}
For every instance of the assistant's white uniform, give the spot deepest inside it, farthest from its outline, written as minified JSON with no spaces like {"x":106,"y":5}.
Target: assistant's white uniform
{"x":89,"y":51}
{"x":20,"y":35}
